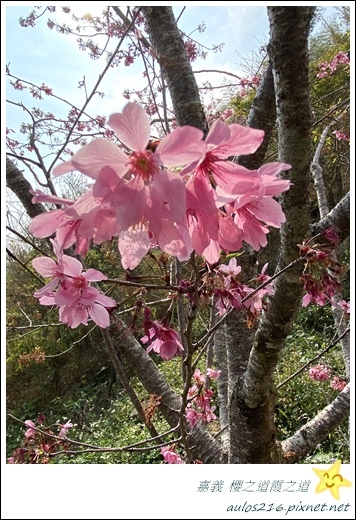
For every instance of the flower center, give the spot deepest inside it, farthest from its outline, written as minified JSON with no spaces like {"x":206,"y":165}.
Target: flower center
{"x":79,"y":282}
{"x":208,"y":167}
{"x":144,"y":164}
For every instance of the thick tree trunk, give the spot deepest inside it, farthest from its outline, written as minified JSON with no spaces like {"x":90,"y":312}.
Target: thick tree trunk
{"x":252,"y":405}
{"x":263,"y":117}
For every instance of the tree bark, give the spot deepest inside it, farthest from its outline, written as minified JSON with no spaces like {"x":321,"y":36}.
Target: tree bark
{"x":20,"y":186}
{"x":263,"y":117}
{"x":252,"y":404}
{"x":338,"y":218}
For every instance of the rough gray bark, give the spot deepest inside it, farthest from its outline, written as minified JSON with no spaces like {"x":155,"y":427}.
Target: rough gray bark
{"x":262,"y":116}
{"x":173,"y":59}
{"x":252,"y":405}
{"x":223,"y":380}
{"x":312,"y":433}
{"x":17,"y":183}
{"x":338,"y":218}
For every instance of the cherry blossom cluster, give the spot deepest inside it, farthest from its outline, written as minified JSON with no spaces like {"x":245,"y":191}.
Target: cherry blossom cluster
{"x":230,"y":292}
{"x":341,"y":136}
{"x":199,"y":407}
{"x":184,"y":196}
{"x":327,"y":68}
{"x":37,"y":446}
{"x":165,"y":341}
{"x":170,"y":456}
{"x":69,"y":288}
{"x":322,"y":373}
{"x":321,"y":275}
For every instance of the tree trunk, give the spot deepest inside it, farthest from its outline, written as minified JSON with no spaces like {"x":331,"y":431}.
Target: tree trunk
{"x":252,"y":404}
{"x":17,"y":183}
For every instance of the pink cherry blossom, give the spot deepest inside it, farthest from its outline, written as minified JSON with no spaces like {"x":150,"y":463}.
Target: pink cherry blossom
{"x":345,"y":306}
{"x":199,"y":377}
{"x":192,"y":415}
{"x":338,"y":384}
{"x":170,"y":457}
{"x":141,"y":188}
{"x":64,"y":428}
{"x":213,"y":169}
{"x":91,"y":304}
{"x":30,"y":432}
{"x":166,"y":341}
{"x":231,"y":269}
{"x":255,"y":210}
{"x":212,"y":373}
{"x":76,"y":299}
{"x":319,"y":373}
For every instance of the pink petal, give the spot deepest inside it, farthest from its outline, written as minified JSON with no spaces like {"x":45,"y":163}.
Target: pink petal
{"x":93,"y":157}
{"x":200,"y":194}
{"x":39,"y":196}
{"x":46,"y":289}
{"x":202,"y":229}
{"x":45,"y":225}
{"x":82,"y":206}
{"x":130,"y":202}
{"x":99,"y":315}
{"x":243,"y":140}
{"x":132,"y":127}
{"x":93,"y":275}
{"x":172,"y":240}
{"x":212,"y":252}
{"x":71,"y":266}
{"x":167,"y":197}
{"x":268,"y":210}
{"x":74,"y":316}
{"x":183,"y":145}
{"x":134,"y":244}
{"x":46,"y":266}
{"x":254,"y":233}
{"x":47,"y":299}
{"x":67,"y":234}
{"x":218,"y":132}
{"x":105,"y":301}
{"x":273,"y":168}
{"x":230,"y":236}
{"x":236,"y":179}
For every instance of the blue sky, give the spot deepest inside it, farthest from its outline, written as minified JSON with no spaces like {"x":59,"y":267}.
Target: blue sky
{"x":41,"y":55}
